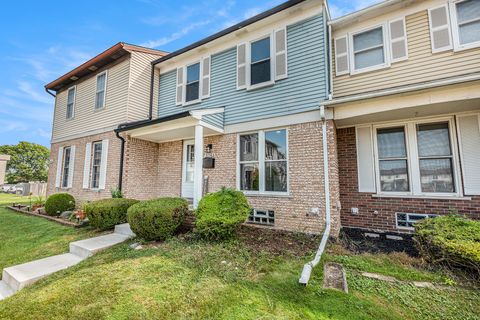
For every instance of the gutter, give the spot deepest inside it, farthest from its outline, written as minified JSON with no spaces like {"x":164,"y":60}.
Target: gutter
{"x":150,"y":109}
{"x":50,"y":93}
{"x":308,"y":267}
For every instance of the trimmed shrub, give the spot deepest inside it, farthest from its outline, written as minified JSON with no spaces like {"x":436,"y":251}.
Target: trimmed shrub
{"x":450,"y":240}
{"x":157,"y":219}
{"x":220,"y":214}
{"x":58,"y":203}
{"x":105,"y":214}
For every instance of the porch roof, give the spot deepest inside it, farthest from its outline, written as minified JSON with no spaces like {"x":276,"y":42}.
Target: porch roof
{"x":180,"y":126}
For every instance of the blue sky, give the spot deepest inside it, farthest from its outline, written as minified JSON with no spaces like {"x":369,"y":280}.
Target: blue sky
{"x":39,"y":42}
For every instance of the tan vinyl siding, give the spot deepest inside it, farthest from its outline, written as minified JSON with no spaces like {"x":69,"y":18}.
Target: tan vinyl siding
{"x":139,"y":86}
{"x":86,"y":119}
{"x":421,"y":66}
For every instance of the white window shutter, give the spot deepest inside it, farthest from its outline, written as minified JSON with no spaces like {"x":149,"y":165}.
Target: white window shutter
{"x":469,"y":134}
{"x":71,"y":168}
{"x":242,"y":66}
{"x":206,"y":66}
{"x":281,"y":66}
{"x":103,"y":165}
{"x":440,"y":30}
{"x":365,"y":160}
{"x":398,"y":40}
{"x":86,"y":166}
{"x":341,"y":56}
{"x":180,"y":86}
{"x":58,"y":177}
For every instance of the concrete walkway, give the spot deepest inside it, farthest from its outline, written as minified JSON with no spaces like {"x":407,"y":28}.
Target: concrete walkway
{"x":17,"y":277}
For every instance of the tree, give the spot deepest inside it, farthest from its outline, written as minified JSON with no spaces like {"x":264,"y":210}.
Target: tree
{"x":29,"y":162}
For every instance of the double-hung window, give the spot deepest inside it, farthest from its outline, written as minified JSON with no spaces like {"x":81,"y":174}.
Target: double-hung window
{"x":260,"y":62}
{"x":465,"y":16}
{"x":100,"y":91}
{"x":369,"y":49}
{"x":71,"y":102}
{"x":96,"y":164}
{"x":416,"y":158}
{"x":192,"y":88}
{"x":263,"y":164}
{"x":66,"y":166}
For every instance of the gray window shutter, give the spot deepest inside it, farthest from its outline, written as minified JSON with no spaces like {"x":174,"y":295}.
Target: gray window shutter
{"x":86,"y":166}
{"x":440,"y":32}
{"x":365,"y":160}
{"x":242,"y":66}
{"x":341,"y":56}
{"x":58,"y":177}
{"x":281,"y":67}
{"x":206,"y":65}
{"x":71,"y":169}
{"x":398,"y":40}
{"x":103,"y":165}
{"x":469,"y":138}
{"x":180,"y":86}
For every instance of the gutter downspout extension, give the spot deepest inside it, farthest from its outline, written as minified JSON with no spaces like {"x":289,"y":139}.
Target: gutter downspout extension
{"x":308,"y":267}
{"x":122,"y":151}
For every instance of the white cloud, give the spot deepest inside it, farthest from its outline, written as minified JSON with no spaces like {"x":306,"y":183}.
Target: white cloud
{"x":340,"y":8}
{"x":174,"y":36}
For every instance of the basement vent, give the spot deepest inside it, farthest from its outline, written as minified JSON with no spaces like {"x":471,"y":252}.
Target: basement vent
{"x":265,"y":217}
{"x":407,"y":220}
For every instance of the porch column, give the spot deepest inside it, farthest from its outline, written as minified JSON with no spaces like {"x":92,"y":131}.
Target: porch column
{"x":198,"y":172}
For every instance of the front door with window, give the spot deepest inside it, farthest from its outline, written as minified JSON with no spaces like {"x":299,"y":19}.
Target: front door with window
{"x":188,"y":169}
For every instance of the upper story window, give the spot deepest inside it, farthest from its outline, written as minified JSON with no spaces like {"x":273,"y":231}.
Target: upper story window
{"x":260,"y":64}
{"x":71,"y":102}
{"x":371,"y":49}
{"x":262,"y":61}
{"x":193,"y":82}
{"x":263,"y":164}
{"x":100,"y":90}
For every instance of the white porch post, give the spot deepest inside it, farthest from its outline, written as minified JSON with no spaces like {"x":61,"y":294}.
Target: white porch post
{"x":198,"y":173}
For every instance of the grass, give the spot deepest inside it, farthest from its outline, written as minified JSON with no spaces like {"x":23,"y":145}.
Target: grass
{"x":185,"y":278}
{"x":24,"y":238}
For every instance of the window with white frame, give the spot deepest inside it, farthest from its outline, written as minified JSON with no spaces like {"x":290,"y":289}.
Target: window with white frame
{"x":66,"y":166}
{"x":408,"y":220}
{"x":263,"y":161}
{"x":466,"y":23}
{"x":260,"y":62}
{"x":71,"y":102}
{"x":369,"y":49}
{"x":192,"y":87}
{"x":96,"y":164}
{"x":416,"y":158}
{"x":100,"y":91}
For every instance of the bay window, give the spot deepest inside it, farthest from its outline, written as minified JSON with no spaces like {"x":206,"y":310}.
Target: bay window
{"x":263,"y":161}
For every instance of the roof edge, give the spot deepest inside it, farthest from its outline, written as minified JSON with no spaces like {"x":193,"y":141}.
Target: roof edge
{"x":363,"y":11}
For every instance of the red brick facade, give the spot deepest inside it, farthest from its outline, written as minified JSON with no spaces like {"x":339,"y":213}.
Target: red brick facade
{"x":379,"y":213}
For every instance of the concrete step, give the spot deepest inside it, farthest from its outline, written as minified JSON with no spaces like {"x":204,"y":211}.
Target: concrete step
{"x":124,"y":229}
{"x":87,"y":248}
{"x":5,"y":290}
{"x":18,"y":277}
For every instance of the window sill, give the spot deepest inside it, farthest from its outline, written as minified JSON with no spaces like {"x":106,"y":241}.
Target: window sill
{"x":260,"y":86}
{"x":267,"y":194}
{"x":191,"y":103}
{"x":461,"y":198}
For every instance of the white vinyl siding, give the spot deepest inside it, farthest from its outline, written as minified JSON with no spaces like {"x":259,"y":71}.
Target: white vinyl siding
{"x":100,"y":91}
{"x":71,"y":103}
{"x":469,"y":140}
{"x":365,"y":162}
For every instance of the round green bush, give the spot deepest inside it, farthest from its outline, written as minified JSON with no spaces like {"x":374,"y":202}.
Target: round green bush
{"x":452,"y":241}
{"x":220,"y":214}
{"x":157,"y":219}
{"x":105,"y":214}
{"x":58,"y":203}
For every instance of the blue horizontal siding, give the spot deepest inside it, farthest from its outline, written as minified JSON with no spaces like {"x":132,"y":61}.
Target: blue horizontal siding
{"x":214,"y":119}
{"x":302,"y":91}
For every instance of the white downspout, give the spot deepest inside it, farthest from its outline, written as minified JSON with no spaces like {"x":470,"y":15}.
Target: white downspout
{"x":308,"y":267}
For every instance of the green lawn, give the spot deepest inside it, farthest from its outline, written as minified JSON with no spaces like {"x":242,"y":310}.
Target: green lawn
{"x":24,"y":238}
{"x":186,"y":278}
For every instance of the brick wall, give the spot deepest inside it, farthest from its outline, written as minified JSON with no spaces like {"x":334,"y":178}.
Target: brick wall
{"x":379,"y":213}
{"x":77,"y":190}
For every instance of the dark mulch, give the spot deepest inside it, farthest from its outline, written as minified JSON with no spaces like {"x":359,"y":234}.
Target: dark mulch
{"x":356,"y":241}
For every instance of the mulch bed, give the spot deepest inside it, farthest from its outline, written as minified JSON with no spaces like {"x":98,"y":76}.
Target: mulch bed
{"x":64,"y":222}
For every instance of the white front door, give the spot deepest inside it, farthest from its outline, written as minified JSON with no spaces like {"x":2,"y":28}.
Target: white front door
{"x":188,"y":171}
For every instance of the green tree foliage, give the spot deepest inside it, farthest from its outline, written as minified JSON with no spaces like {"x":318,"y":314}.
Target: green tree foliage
{"x":29,"y":162}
